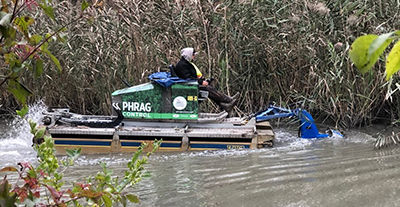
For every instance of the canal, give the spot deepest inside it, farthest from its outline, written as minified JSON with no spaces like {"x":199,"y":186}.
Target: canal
{"x":296,"y":172}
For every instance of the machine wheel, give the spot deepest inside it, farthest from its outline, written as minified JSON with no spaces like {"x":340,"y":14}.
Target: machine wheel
{"x":46,"y":120}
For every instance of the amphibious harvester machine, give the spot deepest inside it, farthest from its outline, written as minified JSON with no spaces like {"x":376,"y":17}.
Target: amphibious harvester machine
{"x":167,"y":108}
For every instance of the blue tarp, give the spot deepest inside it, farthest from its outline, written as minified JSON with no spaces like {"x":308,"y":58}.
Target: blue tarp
{"x":165,"y":79}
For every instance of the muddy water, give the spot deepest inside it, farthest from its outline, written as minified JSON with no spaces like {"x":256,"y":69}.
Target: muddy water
{"x":296,"y":172}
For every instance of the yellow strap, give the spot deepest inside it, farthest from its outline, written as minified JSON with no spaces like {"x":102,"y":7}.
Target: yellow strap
{"x":198,"y":73}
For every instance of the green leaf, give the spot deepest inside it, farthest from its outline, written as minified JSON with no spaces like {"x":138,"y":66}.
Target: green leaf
{"x":32,"y":173}
{"x":378,"y":42}
{"x":44,"y":47}
{"x":4,"y":189}
{"x":10,"y":34}
{"x":57,"y":176}
{"x":5,"y":20}
{"x":23,"y":111}
{"x":4,"y":31}
{"x":29,"y":20}
{"x":55,"y":60}
{"x":40,"y":133}
{"x":73,"y":153}
{"x":48,"y":35}
{"x":123,"y":201}
{"x":32,"y":124}
{"x":122,"y":184}
{"x":23,"y":23}
{"x":18,"y":66}
{"x":39,"y":67}
{"x":12,"y":60}
{"x":359,"y":52}
{"x":48,"y":10}
{"x":365,"y":51}
{"x":146,"y":174}
{"x":19,"y":91}
{"x":35,"y":39}
{"x":107,"y":200}
{"x":132,"y":198}
{"x":62,"y":37}
{"x":84,"y":5}
{"x":393,"y":61}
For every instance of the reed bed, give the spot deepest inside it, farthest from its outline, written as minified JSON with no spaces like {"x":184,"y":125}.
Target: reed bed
{"x":271,"y":51}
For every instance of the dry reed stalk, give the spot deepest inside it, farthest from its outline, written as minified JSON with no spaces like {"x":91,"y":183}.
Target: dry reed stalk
{"x":283,"y":51}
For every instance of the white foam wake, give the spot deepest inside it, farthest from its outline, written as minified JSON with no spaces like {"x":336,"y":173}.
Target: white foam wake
{"x":16,"y":139}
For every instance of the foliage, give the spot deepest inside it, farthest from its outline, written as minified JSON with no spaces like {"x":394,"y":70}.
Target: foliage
{"x":366,"y":50}
{"x":22,"y":50}
{"x":42,"y":185}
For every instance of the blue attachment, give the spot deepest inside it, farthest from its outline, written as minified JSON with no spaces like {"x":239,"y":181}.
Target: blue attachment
{"x":166,"y":80}
{"x":307,"y":130}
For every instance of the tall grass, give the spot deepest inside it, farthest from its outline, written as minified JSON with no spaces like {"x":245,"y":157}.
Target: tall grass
{"x":284,"y":51}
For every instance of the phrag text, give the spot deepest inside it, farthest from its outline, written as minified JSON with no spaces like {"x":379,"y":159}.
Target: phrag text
{"x":136,"y":106}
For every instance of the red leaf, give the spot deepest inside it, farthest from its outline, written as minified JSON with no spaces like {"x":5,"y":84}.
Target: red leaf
{"x":91,"y":194}
{"x":70,"y":193}
{"x":32,"y":182}
{"x":31,"y":4}
{"x":36,"y":194}
{"x":56,"y":195}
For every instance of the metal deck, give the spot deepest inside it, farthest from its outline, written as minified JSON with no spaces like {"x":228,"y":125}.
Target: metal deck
{"x":201,"y":135}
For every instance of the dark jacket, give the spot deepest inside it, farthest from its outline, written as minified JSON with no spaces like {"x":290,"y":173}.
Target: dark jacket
{"x":186,"y":70}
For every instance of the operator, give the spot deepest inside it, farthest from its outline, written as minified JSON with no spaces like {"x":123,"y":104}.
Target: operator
{"x":186,"y":69}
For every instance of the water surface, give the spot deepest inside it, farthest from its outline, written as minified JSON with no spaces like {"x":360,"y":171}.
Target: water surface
{"x":296,"y":172}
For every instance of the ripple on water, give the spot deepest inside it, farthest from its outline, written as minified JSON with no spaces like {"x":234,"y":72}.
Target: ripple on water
{"x":296,"y":172}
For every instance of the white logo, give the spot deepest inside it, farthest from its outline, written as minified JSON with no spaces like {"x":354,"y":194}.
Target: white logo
{"x":116,"y":106}
{"x":180,"y":103}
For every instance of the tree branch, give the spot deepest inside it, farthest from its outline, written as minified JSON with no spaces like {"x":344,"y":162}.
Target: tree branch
{"x":39,"y":45}
{"x":47,"y":39}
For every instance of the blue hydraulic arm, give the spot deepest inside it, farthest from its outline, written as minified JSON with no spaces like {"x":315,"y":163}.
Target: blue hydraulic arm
{"x":307,"y":129}
{"x":274,"y":112}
